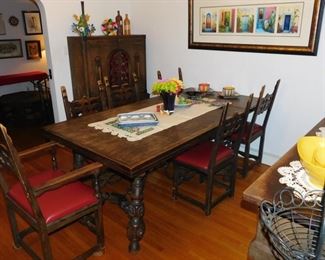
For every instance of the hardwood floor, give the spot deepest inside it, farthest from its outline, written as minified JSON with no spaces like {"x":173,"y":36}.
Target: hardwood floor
{"x":174,"y":229}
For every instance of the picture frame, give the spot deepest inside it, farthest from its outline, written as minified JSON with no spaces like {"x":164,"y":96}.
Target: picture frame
{"x":33,"y":50}
{"x":10,"y":48}
{"x":2,"y":25}
{"x":32,"y":22}
{"x":268,"y":26}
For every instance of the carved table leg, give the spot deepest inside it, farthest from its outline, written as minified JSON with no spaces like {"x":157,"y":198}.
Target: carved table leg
{"x":132,"y":204}
{"x":136,"y":226}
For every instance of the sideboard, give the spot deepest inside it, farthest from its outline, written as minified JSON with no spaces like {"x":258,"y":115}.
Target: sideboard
{"x":117,"y":63}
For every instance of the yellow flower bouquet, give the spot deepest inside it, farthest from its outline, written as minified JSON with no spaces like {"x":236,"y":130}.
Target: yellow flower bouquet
{"x":172,"y":85}
{"x":168,"y":89}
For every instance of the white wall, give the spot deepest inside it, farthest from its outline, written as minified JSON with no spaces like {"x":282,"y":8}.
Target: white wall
{"x":59,"y":18}
{"x":300,"y":103}
{"x":17,"y":65}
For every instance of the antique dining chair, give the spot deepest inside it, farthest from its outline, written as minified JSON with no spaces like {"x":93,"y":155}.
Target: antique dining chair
{"x":214,"y":160}
{"x":48,"y":200}
{"x":253,"y":130}
{"x":81,"y":107}
{"x":122,"y":84}
{"x":180,"y":74}
{"x":84,"y":105}
{"x":137,"y":95}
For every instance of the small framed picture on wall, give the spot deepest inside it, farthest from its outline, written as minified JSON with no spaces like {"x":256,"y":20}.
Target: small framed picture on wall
{"x":33,"y":50}
{"x":32,"y":22}
{"x":10,"y":49}
{"x":2,"y":25}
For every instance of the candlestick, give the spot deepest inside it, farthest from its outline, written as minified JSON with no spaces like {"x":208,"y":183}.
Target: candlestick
{"x":82,"y":8}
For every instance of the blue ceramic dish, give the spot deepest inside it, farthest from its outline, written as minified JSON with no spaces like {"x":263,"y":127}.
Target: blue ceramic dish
{"x":137,"y":119}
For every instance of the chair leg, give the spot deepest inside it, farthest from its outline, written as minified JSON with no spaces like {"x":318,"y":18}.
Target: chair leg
{"x":99,"y":226}
{"x":246,"y":160}
{"x":202,"y":178}
{"x":168,"y":170}
{"x":100,"y":232}
{"x":233,"y":180}
{"x":208,"y":194}
{"x":175,"y":181}
{"x":260,"y":149}
{"x":78,"y":160}
{"x":45,"y":243}
{"x":14,"y":228}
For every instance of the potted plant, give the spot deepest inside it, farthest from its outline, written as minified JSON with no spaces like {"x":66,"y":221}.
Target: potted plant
{"x":168,"y":89}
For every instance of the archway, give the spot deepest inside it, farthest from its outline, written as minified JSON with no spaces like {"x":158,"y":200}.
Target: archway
{"x":22,"y":100}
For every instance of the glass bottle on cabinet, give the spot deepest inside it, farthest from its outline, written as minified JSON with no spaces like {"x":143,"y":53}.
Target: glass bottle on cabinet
{"x":127,"y":25}
{"x":119,"y":22}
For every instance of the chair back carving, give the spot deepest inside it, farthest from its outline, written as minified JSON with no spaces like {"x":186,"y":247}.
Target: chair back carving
{"x":227,"y":128}
{"x":267,"y":104}
{"x":218,"y":137}
{"x":250,"y":125}
{"x":180,"y":74}
{"x":264,"y":105}
{"x":159,"y":75}
{"x":84,"y":105}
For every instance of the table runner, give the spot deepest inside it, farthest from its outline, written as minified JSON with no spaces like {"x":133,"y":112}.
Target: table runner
{"x":180,"y":115}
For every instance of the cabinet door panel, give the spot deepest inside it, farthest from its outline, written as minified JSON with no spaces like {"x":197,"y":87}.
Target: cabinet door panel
{"x":136,"y":51}
{"x":98,"y":51}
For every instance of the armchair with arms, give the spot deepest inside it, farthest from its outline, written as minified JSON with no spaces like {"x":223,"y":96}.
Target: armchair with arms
{"x":49,"y":200}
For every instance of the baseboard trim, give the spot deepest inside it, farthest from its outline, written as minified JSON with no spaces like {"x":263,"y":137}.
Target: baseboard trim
{"x":268,"y":158}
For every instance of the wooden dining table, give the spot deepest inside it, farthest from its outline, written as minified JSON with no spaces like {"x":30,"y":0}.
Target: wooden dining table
{"x":135,"y":160}
{"x":264,"y":188}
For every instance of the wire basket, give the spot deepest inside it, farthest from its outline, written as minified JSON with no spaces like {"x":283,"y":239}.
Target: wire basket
{"x":295,"y":224}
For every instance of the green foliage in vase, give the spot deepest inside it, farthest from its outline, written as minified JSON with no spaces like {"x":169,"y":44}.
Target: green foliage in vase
{"x":172,"y":85}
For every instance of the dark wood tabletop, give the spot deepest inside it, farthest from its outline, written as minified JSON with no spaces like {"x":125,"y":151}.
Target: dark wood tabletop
{"x":268,"y":184}
{"x":133,"y":158}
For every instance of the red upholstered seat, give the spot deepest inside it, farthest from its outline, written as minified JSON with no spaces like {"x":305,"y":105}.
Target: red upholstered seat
{"x":57,"y":203}
{"x":256,"y":129}
{"x":55,"y":199}
{"x":199,"y":156}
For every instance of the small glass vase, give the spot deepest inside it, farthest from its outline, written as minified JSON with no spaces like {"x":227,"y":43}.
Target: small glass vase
{"x":169,"y":101}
